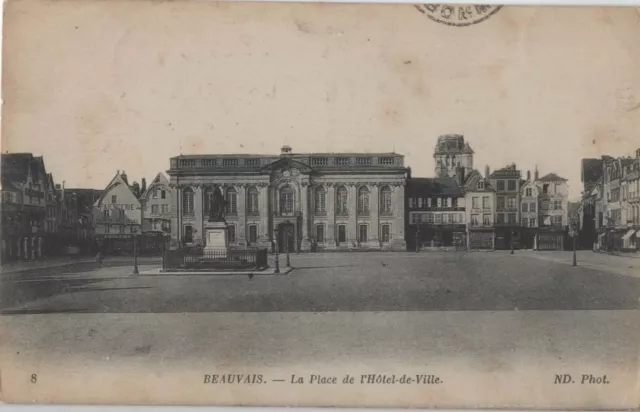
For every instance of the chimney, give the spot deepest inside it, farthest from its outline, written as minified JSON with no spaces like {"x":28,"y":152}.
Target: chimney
{"x":124,"y":177}
{"x":486,"y":172}
{"x":528,"y":175}
{"x":285,"y":150}
{"x":535,"y":173}
{"x":143,"y":186}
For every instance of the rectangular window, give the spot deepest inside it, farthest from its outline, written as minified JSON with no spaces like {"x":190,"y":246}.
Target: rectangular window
{"x":557,"y":204}
{"x":511,"y":202}
{"x":545,"y":188}
{"x":501,"y":185}
{"x":485,"y":202}
{"x":253,"y":234}
{"x":165,"y":208}
{"x":445,"y":218}
{"x":114,"y":199}
{"x":475,"y":220}
{"x":154,"y":208}
{"x":438,"y":219}
{"x":524,"y":222}
{"x":525,"y":207}
{"x":386,"y":233}
{"x":429,"y":202}
{"x":511,"y":218}
{"x":320,"y":233}
{"x":449,"y":202}
{"x":163,"y":194}
{"x":362,"y":233}
{"x":511,"y":185}
{"x":475,"y":202}
{"x":527,"y":192}
{"x":188,"y":234}
{"x":532,"y":222}
{"x":154,"y":194}
{"x":430,"y":218}
{"x":500,"y":203}
{"x":532,"y":207}
{"x":231,"y":230}
{"x":439,"y":202}
{"x":486,"y":220}
{"x":342,"y":233}
{"x":500,"y":218}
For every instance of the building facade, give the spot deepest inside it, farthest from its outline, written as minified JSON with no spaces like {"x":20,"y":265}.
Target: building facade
{"x":480,"y":201}
{"x":156,"y":206}
{"x":631,"y":204}
{"x":452,"y":152}
{"x":436,"y":208}
{"x":26,"y":200}
{"x":117,"y":212}
{"x":506,"y":182}
{"x":297,"y":202}
{"x":553,"y":193}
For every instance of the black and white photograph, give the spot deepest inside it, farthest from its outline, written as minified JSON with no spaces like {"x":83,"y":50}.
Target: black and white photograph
{"x":314,"y":204}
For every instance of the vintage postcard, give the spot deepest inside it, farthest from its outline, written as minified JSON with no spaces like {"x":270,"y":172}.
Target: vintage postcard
{"x":298,"y":204}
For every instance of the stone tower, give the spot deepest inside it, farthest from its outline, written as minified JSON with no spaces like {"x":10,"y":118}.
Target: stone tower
{"x":450,"y":153}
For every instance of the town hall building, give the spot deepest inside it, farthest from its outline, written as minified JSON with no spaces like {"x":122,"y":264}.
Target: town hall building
{"x":297,"y":201}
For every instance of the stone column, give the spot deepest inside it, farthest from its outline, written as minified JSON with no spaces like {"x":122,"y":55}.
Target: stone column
{"x":198,"y":210}
{"x":352,"y":208}
{"x":304,"y":208}
{"x":375,"y":215}
{"x":330,"y":236}
{"x":265,"y":214}
{"x":241,"y":230}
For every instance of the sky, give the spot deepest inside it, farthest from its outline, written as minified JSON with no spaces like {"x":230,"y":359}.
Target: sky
{"x":97,"y":87}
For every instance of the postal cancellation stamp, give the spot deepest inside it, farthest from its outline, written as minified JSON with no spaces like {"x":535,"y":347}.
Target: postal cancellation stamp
{"x":458,"y":15}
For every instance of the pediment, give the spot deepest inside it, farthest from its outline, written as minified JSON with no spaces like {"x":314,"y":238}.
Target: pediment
{"x":287,"y":168}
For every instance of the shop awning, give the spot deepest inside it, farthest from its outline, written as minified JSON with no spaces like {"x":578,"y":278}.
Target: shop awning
{"x":628,"y":234}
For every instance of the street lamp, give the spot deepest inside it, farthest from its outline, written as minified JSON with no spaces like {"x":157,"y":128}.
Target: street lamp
{"x":277,"y":268}
{"x":135,"y":254}
{"x":287,"y":246}
{"x":574,"y":234}
{"x":417,"y":238}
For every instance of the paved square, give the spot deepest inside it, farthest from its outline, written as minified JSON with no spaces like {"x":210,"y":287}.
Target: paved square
{"x":339,"y":282}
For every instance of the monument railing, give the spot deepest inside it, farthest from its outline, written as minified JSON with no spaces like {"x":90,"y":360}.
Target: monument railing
{"x":214,"y":260}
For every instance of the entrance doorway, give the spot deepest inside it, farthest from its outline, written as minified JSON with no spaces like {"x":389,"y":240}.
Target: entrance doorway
{"x":286,"y":237}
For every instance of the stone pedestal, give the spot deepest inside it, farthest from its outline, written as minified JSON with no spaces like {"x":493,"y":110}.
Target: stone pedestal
{"x":216,"y":236}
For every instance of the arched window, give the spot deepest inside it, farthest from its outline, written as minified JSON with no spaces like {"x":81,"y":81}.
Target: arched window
{"x":187,"y":201}
{"x":286,"y":200}
{"x":252,"y":201}
{"x":341,"y":200}
{"x":208,"y":198}
{"x":385,"y":200}
{"x":363,"y":201}
{"x":232,"y":201}
{"x":320,"y":200}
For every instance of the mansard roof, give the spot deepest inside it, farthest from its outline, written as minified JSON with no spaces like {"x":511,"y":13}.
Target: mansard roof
{"x":436,"y":186}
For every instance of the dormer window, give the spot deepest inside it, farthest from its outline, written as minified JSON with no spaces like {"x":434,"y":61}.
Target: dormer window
{"x":480,"y":185}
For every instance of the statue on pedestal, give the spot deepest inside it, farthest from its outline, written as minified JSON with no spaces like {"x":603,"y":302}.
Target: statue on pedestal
{"x":217,"y":206}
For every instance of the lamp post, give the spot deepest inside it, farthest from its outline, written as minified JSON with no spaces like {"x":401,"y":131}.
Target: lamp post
{"x":135,"y":254}
{"x":277,"y":268}
{"x":287,"y":249}
{"x":574,"y":234}
{"x":418,"y":238}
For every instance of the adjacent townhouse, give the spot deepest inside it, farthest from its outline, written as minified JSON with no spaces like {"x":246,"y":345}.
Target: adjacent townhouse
{"x":480,"y":201}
